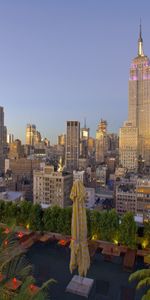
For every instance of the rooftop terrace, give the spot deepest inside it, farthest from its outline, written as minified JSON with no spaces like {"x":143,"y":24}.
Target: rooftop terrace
{"x":51,"y":260}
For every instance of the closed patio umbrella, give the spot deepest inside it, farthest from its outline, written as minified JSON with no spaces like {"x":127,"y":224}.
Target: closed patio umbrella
{"x":79,"y":247}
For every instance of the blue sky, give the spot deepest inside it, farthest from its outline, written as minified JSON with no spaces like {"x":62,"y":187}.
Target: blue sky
{"x":68,"y":59}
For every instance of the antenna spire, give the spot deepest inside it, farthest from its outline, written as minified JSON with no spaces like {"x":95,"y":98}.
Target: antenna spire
{"x":140,"y":42}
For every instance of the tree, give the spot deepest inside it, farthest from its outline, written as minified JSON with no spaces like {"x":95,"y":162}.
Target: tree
{"x":127,"y":230}
{"x":147,"y":232}
{"x":143,"y":278}
{"x":35,"y":218}
{"x":23,"y":212}
{"x":13,"y":264}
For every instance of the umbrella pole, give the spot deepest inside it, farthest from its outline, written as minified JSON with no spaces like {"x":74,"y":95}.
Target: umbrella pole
{"x":81,"y":279}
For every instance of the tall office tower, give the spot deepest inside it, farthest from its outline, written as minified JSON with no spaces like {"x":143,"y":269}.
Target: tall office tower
{"x":113,"y":142}
{"x":72,"y":145}
{"x":30,"y":134}
{"x":91,"y":146}
{"x":84,"y":137}
{"x":139,"y":100}
{"x":128,"y":142}
{"x":1,"y":125}
{"x":5,"y":135}
{"x":10,"y":138}
{"x":36,"y":138}
{"x":61,"y":139}
{"x":15,"y":150}
{"x":1,"y":138}
{"x":101,"y":141}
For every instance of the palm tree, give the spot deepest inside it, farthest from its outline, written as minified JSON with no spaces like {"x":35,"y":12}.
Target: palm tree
{"x":13,"y":263}
{"x":143,"y":278}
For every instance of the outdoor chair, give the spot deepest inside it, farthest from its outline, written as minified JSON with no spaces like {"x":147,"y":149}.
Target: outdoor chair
{"x":93,"y":246}
{"x":129,"y":260}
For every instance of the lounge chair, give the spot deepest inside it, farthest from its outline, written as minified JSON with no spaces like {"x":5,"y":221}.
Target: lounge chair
{"x":129,"y":260}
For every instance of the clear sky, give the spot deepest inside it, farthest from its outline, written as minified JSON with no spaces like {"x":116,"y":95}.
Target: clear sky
{"x":68,"y":59}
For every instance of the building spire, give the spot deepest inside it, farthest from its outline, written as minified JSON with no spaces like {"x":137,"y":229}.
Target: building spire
{"x":84,"y":122}
{"x":140,"y":42}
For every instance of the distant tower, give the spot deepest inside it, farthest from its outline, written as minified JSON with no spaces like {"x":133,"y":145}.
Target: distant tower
{"x":2,"y":137}
{"x":101,"y":141}
{"x":84,"y":137}
{"x":128,"y":140}
{"x":72,"y":145}
{"x":139,"y":100}
{"x":30,"y":134}
{"x":1,"y":125}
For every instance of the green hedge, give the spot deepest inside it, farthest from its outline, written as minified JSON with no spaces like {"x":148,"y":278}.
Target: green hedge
{"x":104,"y":225}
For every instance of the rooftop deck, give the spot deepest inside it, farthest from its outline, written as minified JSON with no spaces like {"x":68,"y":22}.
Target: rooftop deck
{"x":51,"y":260}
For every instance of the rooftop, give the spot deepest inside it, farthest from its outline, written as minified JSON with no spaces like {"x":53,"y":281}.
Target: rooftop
{"x":51,"y":260}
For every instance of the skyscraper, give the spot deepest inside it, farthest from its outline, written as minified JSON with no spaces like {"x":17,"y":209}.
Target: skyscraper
{"x":72,"y":145}
{"x":30,"y":134}
{"x":101,"y":141}
{"x":139,"y":100}
{"x":2,"y":137}
{"x":84,"y":137}
{"x":1,"y":125}
{"x":128,"y":137}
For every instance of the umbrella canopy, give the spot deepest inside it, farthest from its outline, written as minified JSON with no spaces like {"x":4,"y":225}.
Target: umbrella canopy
{"x":79,"y":247}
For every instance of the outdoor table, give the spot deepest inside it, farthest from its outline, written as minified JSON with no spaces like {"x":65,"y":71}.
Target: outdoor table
{"x":33,"y":289}
{"x":13,"y":284}
{"x":63,"y":242}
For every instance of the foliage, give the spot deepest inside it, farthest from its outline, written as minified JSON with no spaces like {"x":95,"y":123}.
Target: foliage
{"x":147,"y":232}
{"x":103,"y":225}
{"x":143,"y":278}
{"x":13,"y":264}
{"x":56,"y":219}
{"x":35,"y":217}
{"x":23,"y":213}
{"x":128,"y":230}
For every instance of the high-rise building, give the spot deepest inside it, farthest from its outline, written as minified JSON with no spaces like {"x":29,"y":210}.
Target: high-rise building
{"x":2,"y":136}
{"x":84,"y":137}
{"x":128,"y":142}
{"x":139,"y":100}
{"x":101,"y":141}
{"x":91,"y":146}
{"x":1,"y":125}
{"x":15,"y":150}
{"x":30,"y":134}
{"x":72,"y":145}
{"x":10,"y":138}
{"x":5,"y":135}
{"x":62,"y":139}
{"x":36,"y":138}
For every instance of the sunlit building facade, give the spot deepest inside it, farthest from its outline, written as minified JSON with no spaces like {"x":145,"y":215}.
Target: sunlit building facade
{"x":72,"y":145}
{"x":139,"y":100}
{"x":52,"y":188}
{"x":128,"y":142}
{"x":101,"y":141}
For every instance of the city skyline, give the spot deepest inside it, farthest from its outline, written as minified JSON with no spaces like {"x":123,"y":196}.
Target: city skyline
{"x":68,"y":66}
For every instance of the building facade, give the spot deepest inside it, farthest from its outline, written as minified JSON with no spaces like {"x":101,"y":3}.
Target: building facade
{"x":72,"y":145}
{"x":134,"y":196}
{"x":139,"y":100}
{"x":128,"y":146}
{"x":52,"y":188}
{"x":101,"y":141}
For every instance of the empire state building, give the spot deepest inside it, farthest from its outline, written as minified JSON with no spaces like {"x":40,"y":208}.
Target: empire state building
{"x":139,"y":100}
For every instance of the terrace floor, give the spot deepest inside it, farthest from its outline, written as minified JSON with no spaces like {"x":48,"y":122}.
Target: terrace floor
{"x":51,"y":260}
